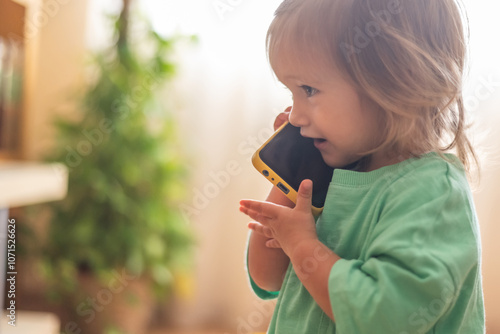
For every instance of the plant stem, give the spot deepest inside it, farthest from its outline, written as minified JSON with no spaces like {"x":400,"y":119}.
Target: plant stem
{"x":123,"y":27}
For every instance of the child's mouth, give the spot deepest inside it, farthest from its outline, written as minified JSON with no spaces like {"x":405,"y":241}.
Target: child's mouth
{"x":319,"y":143}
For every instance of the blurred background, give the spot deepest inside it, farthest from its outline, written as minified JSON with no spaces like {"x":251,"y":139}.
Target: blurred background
{"x":77,"y":89}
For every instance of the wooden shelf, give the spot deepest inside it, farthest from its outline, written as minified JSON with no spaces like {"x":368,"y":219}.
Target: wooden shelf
{"x":26,"y":183}
{"x":12,"y":77}
{"x":31,"y":322}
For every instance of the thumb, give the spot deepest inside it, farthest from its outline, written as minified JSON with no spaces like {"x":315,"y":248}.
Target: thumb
{"x":304,"y":196}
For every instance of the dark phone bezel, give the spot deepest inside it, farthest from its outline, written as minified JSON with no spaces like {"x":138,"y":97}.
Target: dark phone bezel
{"x":294,"y":158}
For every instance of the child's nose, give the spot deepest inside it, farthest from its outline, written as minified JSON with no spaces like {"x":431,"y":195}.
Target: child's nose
{"x":298,"y":117}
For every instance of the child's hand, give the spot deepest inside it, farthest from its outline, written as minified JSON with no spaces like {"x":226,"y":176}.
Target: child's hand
{"x":282,"y":118}
{"x":287,"y":228}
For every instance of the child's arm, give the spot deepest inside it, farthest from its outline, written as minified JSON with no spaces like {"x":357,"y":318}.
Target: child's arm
{"x":312,"y":262}
{"x":294,"y":231}
{"x":267,"y":266}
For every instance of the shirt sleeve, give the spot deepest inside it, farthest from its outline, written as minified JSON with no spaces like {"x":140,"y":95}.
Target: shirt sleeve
{"x":418,"y":257}
{"x":261,"y":293}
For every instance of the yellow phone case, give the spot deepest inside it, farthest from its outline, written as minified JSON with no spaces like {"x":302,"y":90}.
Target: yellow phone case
{"x":274,"y":178}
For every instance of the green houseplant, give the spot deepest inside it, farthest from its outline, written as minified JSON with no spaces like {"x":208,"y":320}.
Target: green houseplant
{"x":126,"y":176}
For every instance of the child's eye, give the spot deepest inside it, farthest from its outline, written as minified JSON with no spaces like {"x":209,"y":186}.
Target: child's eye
{"x":310,"y":91}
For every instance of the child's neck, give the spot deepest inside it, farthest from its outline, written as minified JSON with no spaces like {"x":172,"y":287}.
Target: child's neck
{"x":372,"y":162}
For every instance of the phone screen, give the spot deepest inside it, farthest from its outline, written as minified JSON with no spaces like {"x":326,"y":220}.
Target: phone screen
{"x":294,"y":158}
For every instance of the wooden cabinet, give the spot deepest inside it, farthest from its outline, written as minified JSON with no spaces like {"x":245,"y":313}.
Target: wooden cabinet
{"x":12,"y":77}
{"x":53,"y":36}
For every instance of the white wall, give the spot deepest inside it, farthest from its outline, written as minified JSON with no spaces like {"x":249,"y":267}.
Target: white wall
{"x":483,"y":96}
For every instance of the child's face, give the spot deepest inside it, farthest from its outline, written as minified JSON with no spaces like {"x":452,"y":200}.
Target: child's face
{"x":327,"y":108}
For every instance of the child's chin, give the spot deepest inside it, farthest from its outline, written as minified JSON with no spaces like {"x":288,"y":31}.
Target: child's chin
{"x":342,"y":164}
{"x":333,"y":162}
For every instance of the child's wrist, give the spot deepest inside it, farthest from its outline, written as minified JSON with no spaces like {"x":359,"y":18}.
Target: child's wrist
{"x":309,"y":255}
{"x":305,"y":251}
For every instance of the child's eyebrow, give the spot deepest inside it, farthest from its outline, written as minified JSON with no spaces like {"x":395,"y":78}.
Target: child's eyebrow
{"x":305,"y":80}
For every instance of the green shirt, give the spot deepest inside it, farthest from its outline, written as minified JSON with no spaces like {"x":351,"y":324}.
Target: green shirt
{"x":409,"y":241}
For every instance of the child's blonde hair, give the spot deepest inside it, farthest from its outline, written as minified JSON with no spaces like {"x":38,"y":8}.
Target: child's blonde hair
{"x":407,"y":57}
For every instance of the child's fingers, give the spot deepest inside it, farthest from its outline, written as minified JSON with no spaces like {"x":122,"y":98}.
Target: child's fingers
{"x":256,"y":215}
{"x":266,"y":209}
{"x":304,"y":196}
{"x":261,"y":229}
{"x":282,"y":118}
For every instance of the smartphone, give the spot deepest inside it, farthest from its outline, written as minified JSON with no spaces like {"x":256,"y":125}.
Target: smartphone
{"x":287,"y":158}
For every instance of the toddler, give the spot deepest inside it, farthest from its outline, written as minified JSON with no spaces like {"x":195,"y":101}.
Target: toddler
{"x":378,"y":85}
